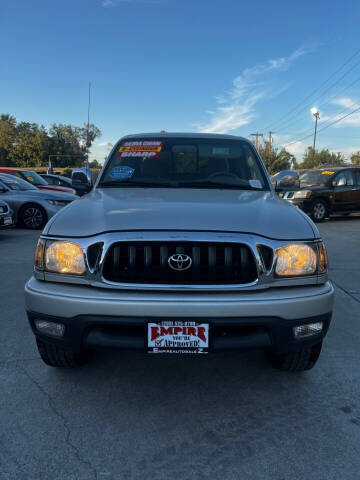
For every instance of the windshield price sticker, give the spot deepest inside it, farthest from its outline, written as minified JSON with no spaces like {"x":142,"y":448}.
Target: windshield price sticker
{"x":149,"y":149}
{"x":255,"y":183}
{"x":327,"y":172}
{"x":178,"y":337}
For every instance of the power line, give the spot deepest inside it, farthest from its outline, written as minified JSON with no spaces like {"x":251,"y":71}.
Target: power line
{"x":333,"y":96}
{"x":286,"y":124}
{"x":340,"y":92}
{"x":334,"y":116}
{"x":329,"y":119}
{"x":324,"y":128}
{"x":313,"y":92}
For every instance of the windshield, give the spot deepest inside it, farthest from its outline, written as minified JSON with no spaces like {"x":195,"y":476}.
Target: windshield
{"x":15,"y":183}
{"x":316,"y":177}
{"x":33,"y":178}
{"x":180,"y":162}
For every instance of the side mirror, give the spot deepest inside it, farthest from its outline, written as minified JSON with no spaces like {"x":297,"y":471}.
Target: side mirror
{"x":286,"y":180}
{"x":81,"y":179}
{"x":334,"y":183}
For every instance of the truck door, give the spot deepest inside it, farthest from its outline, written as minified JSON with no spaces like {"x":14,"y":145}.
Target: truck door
{"x":345,"y":191}
{"x":357,"y":186}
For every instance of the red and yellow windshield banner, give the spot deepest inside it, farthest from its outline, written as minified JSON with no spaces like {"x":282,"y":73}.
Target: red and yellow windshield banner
{"x":140,"y":149}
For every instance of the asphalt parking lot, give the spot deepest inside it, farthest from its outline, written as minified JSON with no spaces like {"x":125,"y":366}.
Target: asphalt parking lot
{"x":224,"y":416}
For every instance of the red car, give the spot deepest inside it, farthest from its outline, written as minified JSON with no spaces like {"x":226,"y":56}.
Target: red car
{"x":35,"y":179}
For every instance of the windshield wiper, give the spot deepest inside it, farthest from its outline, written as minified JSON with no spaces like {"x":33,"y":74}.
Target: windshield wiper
{"x":209,"y":183}
{"x":137,"y":183}
{"x":155,"y":183}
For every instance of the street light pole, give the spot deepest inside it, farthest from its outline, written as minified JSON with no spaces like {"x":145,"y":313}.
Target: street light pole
{"x":316,"y":115}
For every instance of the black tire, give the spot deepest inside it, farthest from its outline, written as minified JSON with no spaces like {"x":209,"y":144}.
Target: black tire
{"x":319,"y":210}
{"x":298,"y":361}
{"x":56,"y":356}
{"x":32,"y":216}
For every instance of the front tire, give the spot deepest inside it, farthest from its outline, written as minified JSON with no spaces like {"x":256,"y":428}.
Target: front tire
{"x":55,"y":356}
{"x":303,"y":359}
{"x":32,"y":216}
{"x":319,"y":210}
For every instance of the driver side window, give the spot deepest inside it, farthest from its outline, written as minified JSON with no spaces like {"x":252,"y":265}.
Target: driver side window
{"x":345,"y":178}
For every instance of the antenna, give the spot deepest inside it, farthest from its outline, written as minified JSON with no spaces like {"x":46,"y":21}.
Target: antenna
{"x":88,"y":124}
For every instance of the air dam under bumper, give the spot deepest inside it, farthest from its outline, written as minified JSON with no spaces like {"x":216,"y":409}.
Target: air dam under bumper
{"x":101,"y":318}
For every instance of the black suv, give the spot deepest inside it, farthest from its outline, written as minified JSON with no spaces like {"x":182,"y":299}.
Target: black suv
{"x":326,"y":191}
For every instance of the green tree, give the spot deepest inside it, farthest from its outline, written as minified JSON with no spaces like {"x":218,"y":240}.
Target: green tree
{"x":65,"y":145}
{"x":313,"y":159}
{"x":88,"y":134}
{"x":95,"y":164}
{"x":355,"y":158}
{"x":277,"y":160}
{"x":25,"y":144}
{"x":7,"y":137}
{"x":30,"y":146}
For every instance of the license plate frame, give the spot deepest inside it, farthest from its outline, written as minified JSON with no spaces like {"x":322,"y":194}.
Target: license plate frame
{"x":178,"y":337}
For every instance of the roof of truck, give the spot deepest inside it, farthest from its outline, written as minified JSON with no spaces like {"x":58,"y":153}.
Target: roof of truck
{"x":214,"y":136}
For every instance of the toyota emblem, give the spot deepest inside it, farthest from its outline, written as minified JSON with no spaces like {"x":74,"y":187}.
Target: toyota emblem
{"x":179,"y":262}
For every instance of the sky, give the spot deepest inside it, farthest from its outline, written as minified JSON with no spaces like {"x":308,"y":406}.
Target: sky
{"x":185,"y":65}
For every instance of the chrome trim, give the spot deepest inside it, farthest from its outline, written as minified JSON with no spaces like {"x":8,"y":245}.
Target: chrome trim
{"x":266,"y":278}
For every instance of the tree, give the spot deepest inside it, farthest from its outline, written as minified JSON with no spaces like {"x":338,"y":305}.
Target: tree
{"x":278,"y":159}
{"x":25,"y":144}
{"x":355,"y":158}
{"x":30,"y":146}
{"x":95,"y":164}
{"x":7,"y":137}
{"x":88,"y":135}
{"x":313,"y":159}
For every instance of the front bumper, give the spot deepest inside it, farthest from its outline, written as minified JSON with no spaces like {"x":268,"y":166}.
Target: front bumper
{"x":303,"y":204}
{"x":112,"y":319}
{"x":6,"y":220}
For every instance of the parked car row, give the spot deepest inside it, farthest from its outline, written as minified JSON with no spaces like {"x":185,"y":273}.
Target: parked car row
{"x":32,"y":207}
{"x":36,"y":180}
{"x":323,"y":191}
{"x":60,"y":181}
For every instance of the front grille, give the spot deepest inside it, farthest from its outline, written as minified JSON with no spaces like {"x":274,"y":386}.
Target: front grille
{"x":212,"y":263}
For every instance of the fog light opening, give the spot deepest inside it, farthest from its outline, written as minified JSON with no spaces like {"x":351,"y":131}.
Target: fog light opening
{"x":308,"y":330}
{"x":50,"y":328}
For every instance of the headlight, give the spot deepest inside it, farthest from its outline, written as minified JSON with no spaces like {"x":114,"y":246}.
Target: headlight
{"x":302,"y":194}
{"x":295,"y":260}
{"x":58,"y":203}
{"x":64,"y":257}
{"x":323,"y":259}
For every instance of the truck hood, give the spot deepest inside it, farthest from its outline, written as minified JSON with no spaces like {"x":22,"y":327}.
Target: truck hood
{"x":123,"y":209}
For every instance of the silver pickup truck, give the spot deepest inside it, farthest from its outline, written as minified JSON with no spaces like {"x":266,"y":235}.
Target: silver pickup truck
{"x":182,"y":246}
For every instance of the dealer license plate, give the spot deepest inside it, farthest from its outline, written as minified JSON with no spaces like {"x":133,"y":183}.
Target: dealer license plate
{"x":178,"y":337}
{"x":8,"y":221}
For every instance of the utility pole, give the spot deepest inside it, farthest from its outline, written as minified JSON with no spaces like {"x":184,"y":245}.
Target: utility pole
{"x":269,"y":145}
{"x":316,"y":115}
{"x":257,"y":135}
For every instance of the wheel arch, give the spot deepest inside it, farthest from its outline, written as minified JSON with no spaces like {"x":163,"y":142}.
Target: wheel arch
{"x":29,"y":204}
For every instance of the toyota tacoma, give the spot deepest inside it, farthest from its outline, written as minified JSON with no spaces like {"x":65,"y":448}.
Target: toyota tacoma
{"x":181,"y":246}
